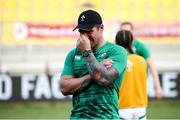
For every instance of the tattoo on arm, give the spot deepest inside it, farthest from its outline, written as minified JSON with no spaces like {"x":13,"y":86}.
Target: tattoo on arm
{"x":87,"y":82}
{"x":98,"y":71}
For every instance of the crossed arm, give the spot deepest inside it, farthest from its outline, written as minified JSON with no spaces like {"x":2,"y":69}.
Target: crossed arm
{"x":100,"y":72}
{"x":69,"y":84}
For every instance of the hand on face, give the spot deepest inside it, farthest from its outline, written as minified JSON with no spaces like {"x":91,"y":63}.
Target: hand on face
{"x":83,"y":43}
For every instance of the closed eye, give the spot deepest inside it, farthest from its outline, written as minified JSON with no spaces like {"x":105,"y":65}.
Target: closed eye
{"x":83,"y":31}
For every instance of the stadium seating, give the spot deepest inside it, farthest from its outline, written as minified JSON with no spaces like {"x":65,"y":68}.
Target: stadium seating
{"x":35,"y":54}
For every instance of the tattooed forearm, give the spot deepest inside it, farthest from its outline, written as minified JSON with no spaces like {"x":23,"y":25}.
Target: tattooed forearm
{"x":85,"y":83}
{"x":98,"y":71}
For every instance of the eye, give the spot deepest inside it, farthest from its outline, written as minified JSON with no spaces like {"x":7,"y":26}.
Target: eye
{"x":89,"y":32}
{"x":83,"y":31}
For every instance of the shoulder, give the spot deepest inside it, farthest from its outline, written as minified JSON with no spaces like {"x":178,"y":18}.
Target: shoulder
{"x":141,"y":48}
{"x":71,"y":53}
{"x":140,"y":45}
{"x":138,"y":42}
{"x":113,"y":47}
{"x":118,"y":53}
{"x":137,"y":57}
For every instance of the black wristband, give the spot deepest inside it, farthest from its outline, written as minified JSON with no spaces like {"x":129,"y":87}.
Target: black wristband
{"x":86,"y":53}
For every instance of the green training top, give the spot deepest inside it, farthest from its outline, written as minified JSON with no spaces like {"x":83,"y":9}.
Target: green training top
{"x":96,"y":101}
{"x":141,"y":49}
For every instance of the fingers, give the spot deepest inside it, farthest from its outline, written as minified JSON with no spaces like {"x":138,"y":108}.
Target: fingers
{"x":107,"y":63}
{"x":83,"y":43}
{"x":109,"y":60}
{"x":108,"y":66}
{"x":83,"y":37}
{"x":159,"y":94}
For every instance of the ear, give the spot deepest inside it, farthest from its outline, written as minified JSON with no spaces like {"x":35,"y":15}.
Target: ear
{"x":102,"y":26}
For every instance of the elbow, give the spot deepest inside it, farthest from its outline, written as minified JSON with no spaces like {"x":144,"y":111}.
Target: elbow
{"x":107,"y":78}
{"x":104,"y":82}
{"x":64,"y":90}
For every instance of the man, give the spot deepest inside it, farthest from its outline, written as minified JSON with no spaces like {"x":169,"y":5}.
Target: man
{"x":133,"y":91}
{"x":142,"y":50}
{"x":93,"y":83}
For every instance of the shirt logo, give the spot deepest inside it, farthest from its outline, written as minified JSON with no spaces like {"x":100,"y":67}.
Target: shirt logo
{"x":134,"y":49}
{"x":103,"y":55}
{"x":129,"y":66}
{"x":77,"y":57}
{"x":82,"y":18}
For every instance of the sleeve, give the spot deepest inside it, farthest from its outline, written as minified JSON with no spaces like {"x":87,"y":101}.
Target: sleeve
{"x":142,"y":49}
{"x":119,"y":56}
{"x":68,"y":64}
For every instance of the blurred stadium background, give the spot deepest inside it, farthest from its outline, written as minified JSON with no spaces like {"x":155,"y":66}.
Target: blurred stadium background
{"x":35,"y":36}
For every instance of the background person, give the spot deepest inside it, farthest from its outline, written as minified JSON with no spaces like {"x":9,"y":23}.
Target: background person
{"x":94,"y":85}
{"x":142,"y":50}
{"x":133,"y":91}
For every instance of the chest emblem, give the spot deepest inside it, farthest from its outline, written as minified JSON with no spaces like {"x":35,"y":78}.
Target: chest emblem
{"x":129,"y":66}
{"x":77,"y":57}
{"x":103,"y":55}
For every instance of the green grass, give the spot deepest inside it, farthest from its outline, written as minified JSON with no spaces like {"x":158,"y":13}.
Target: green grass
{"x":166,"y":109}
{"x":35,"y":110}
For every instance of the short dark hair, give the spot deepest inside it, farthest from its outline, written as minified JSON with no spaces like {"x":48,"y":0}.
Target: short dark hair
{"x":128,"y":23}
{"x":124,"y":38}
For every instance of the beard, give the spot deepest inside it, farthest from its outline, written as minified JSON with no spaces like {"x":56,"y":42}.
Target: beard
{"x":94,"y":44}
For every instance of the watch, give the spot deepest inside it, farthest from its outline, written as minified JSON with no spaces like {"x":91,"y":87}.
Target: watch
{"x":86,"y":53}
